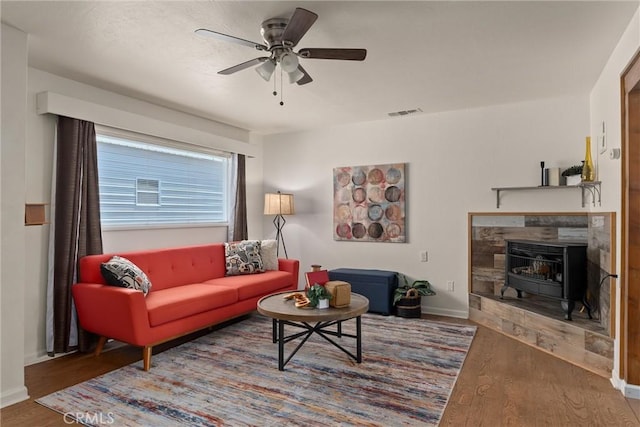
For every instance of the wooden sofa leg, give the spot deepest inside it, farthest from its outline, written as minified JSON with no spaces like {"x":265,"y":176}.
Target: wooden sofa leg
{"x":100,"y":346}
{"x":146,"y":357}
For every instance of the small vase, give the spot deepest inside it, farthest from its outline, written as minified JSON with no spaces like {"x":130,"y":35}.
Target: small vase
{"x":323,"y":303}
{"x":588,"y":171}
{"x":573,"y":179}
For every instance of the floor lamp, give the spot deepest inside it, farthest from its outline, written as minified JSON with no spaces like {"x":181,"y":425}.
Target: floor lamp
{"x":279,"y":204}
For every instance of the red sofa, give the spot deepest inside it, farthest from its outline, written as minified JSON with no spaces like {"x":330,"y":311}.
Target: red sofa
{"x":189,"y":292}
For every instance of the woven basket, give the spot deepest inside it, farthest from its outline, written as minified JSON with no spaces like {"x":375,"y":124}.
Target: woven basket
{"x":409,"y":305}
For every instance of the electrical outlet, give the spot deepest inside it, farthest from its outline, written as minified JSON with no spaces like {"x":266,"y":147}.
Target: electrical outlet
{"x":424,"y":256}
{"x":450,"y":284}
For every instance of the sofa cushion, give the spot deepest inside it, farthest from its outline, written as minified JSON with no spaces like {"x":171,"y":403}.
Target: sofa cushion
{"x":255,"y":284}
{"x":243,"y":257}
{"x":179,"y":302}
{"x":269,"y":254}
{"x":166,"y":267}
{"x":119,"y":271}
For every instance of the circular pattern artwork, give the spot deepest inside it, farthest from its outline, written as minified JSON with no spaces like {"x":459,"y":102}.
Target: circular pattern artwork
{"x":392,"y":193}
{"x":359,"y":213}
{"x":359,"y":177}
{"x":375,"y":230}
{"x":375,"y":176}
{"x":343,"y":179}
{"x":359,"y":230}
{"x":344,"y":231}
{"x":393,"y":176}
{"x":375,"y":195}
{"x":393,"y":213}
{"x":359,"y":195}
{"x":375,"y":212}
{"x":369,"y":203}
{"x":394,"y":230}
{"x":343,"y":213}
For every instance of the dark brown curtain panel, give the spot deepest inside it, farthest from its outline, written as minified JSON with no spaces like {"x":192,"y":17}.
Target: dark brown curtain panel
{"x":77,"y":222}
{"x":240,"y":218}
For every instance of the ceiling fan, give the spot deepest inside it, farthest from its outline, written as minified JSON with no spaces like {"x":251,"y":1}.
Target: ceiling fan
{"x":280,"y":36}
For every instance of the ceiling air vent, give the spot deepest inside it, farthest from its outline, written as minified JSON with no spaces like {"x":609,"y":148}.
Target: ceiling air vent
{"x":405,"y":112}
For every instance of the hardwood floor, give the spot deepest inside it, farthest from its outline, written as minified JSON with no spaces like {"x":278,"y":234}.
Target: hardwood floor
{"x":507,"y":383}
{"x":502,"y":383}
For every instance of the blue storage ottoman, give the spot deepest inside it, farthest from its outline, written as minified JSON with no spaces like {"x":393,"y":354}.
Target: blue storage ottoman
{"x":376,"y":285}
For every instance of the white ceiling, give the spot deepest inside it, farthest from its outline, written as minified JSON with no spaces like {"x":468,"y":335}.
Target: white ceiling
{"x":436,"y":56}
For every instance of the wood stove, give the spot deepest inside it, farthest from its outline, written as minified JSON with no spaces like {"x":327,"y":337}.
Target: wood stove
{"x":551,"y":269}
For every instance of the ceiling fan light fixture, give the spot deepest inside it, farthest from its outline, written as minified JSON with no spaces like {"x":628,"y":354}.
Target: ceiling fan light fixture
{"x":281,"y":36}
{"x":266,"y":70}
{"x":295,"y":75}
{"x":289,"y":62}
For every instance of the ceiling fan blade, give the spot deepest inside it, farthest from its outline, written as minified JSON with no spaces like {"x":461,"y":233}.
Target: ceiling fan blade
{"x":306,"y":79}
{"x":344,"y":54}
{"x":225,"y":37}
{"x":298,"y":26}
{"x":244,"y":65}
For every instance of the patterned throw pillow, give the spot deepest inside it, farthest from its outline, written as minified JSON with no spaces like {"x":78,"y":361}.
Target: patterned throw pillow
{"x":119,"y":271}
{"x":243,"y":257}
{"x":269,"y":254}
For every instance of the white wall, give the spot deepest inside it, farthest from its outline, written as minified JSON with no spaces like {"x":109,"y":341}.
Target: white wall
{"x":605,"y":102}
{"x":454,"y":159}
{"x":255,"y":191}
{"x":137,"y":240}
{"x":12,"y":251}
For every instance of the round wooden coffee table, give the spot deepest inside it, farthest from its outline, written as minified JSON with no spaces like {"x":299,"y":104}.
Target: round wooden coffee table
{"x":283,"y":312}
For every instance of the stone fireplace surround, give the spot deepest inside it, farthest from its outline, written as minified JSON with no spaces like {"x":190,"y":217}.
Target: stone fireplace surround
{"x":539,"y":321}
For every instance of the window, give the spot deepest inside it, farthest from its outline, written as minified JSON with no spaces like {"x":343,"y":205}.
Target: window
{"x":143,"y":182}
{"x":147,"y":192}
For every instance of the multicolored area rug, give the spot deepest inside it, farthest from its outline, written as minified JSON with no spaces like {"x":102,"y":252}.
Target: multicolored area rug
{"x":230,"y":377}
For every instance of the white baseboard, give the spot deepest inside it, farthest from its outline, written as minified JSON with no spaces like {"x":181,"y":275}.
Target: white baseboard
{"x":461,"y":314}
{"x":12,"y":396}
{"x":617,"y":383}
{"x":628,"y":390}
{"x":34,"y":358}
{"x":631,"y":391}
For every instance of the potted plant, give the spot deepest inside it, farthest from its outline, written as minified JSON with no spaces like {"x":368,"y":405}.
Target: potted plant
{"x":319,"y":296}
{"x":407,"y":297}
{"x":573,"y":174}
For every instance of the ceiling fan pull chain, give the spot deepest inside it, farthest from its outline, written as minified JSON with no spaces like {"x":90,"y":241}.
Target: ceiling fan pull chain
{"x":281,"y":87}
{"x":275,"y":92}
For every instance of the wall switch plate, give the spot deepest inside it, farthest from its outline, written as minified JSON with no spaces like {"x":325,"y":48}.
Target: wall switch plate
{"x":424,"y":256}
{"x":450,"y":285}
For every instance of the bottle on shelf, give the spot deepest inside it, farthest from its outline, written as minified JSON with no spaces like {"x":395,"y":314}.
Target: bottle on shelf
{"x":588,"y":171}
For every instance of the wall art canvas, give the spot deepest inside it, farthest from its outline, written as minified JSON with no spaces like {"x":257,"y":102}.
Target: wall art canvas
{"x":369,"y":203}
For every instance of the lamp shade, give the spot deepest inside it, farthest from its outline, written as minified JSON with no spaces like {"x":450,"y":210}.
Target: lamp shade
{"x":266,"y":69}
{"x":278,"y":204}
{"x":289,"y":62}
{"x":295,"y":75}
